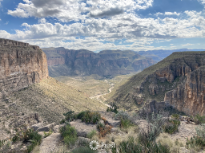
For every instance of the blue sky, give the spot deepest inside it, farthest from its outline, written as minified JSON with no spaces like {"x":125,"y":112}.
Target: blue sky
{"x":105,"y":24}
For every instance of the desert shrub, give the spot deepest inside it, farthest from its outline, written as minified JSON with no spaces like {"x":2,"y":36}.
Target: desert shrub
{"x":125,"y":123}
{"x":199,"y":119}
{"x":122,"y":115}
{"x":84,"y":149}
{"x":91,"y":134}
{"x":69,"y":116}
{"x":69,"y":135}
{"x":28,"y":136}
{"x":197,"y":141}
{"x":130,"y":146}
{"x":33,"y":137}
{"x":103,"y":129}
{"x":62,"y":121}
{"x":89,"y":117}
{"x":113,"y":108}
{"x":172,"y":126}
{"x":2,"y":142}
{"x":176,"y":116}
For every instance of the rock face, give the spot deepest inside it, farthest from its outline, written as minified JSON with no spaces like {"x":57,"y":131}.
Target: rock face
{"x":189,"y":96}
{"x":178,"y":80}
{"x":108,"y":63}
{"x":21,"y":65}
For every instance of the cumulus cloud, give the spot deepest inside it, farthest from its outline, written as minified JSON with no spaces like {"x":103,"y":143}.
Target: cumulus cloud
{"x":76,"y":10}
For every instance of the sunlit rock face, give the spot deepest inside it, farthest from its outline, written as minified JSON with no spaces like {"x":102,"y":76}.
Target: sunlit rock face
{"x":21,"y":65}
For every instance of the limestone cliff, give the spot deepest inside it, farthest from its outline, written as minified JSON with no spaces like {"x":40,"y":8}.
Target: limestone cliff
{"x":107,"y":63}
{"x":21,"y":65}
{"x":178,"y":79}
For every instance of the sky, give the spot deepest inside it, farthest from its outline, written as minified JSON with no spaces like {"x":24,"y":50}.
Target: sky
{"x":96,"y":25}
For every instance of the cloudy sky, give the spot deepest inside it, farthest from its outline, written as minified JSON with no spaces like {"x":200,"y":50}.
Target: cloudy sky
{"x":105,"y":24}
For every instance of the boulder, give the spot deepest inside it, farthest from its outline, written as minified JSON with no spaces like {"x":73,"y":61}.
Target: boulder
{"x":46,"y":128}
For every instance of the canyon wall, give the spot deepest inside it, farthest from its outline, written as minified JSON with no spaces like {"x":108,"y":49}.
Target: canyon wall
{"x":21,"y":65}
{"x":108,"y":63}
{"x":178,"y":80}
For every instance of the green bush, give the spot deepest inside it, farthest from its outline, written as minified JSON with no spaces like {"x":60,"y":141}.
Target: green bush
{"x":69,"y":116}
{"x":89,"y":117}
{"x":125,"y":123}
{"x":33,"y":137}
{"x":172,"y":126}
{"x":69,"y":135}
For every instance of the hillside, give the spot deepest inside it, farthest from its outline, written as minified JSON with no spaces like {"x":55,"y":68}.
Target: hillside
{"x":170,"y":76}
{"x":106,"y":64}
{"x":27,"y":95}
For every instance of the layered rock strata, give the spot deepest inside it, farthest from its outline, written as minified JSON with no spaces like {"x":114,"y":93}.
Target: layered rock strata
{"x":21,"y":65}
{"x":108,"y":63}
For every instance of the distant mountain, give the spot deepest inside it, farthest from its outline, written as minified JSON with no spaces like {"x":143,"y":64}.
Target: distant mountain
{"x":178,"y":80}
{"x":158,"y":55}
{"x":107,"y":63}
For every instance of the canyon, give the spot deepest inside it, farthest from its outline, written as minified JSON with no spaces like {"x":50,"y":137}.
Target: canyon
{"x":107,"y":63}
{"x":177,"y":80}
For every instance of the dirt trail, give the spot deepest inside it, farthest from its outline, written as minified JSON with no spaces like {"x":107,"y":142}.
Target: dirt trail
{"x":97,"y":97}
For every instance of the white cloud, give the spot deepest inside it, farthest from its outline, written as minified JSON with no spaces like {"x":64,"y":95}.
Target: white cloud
{"x":167,"y":13}
{"x":0,"y":2}
{"x":76,"y":9}
{"x":138,"y":32}
{"x":172,"y":13}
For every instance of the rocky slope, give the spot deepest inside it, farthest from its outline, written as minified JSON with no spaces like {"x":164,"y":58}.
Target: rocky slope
{"x":21,"y":65}
{"x":178,"y":80}
{"x":108,"y":63}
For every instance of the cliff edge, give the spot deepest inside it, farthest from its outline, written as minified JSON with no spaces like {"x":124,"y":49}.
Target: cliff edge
{"x":178,"y":80}
{"x":21,"y":65}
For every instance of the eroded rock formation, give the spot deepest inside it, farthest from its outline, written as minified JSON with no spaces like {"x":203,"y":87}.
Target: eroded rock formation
{"x":21,"y":65}
{"x":108,"y":63}
{"x":178,"y":80}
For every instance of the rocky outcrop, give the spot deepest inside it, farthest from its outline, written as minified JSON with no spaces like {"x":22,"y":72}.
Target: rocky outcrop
{"x":108,"y":63}
{"x":21,"y":65}
{"x":178,"y":80}
{"x":189,"y":96}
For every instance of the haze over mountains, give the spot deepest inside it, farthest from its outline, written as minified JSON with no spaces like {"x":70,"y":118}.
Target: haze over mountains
{"x":107,"y":63}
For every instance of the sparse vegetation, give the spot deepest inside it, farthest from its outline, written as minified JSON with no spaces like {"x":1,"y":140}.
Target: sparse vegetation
{"x":172,"y":125}
{"x":89,"y":117}
{"x":197,"y":142}
{"x":103,"y":129}
{"x":69,"y":135}
{"x":113,"y":108}
{"x":138,"y":146}
{"x":198,"y":119}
